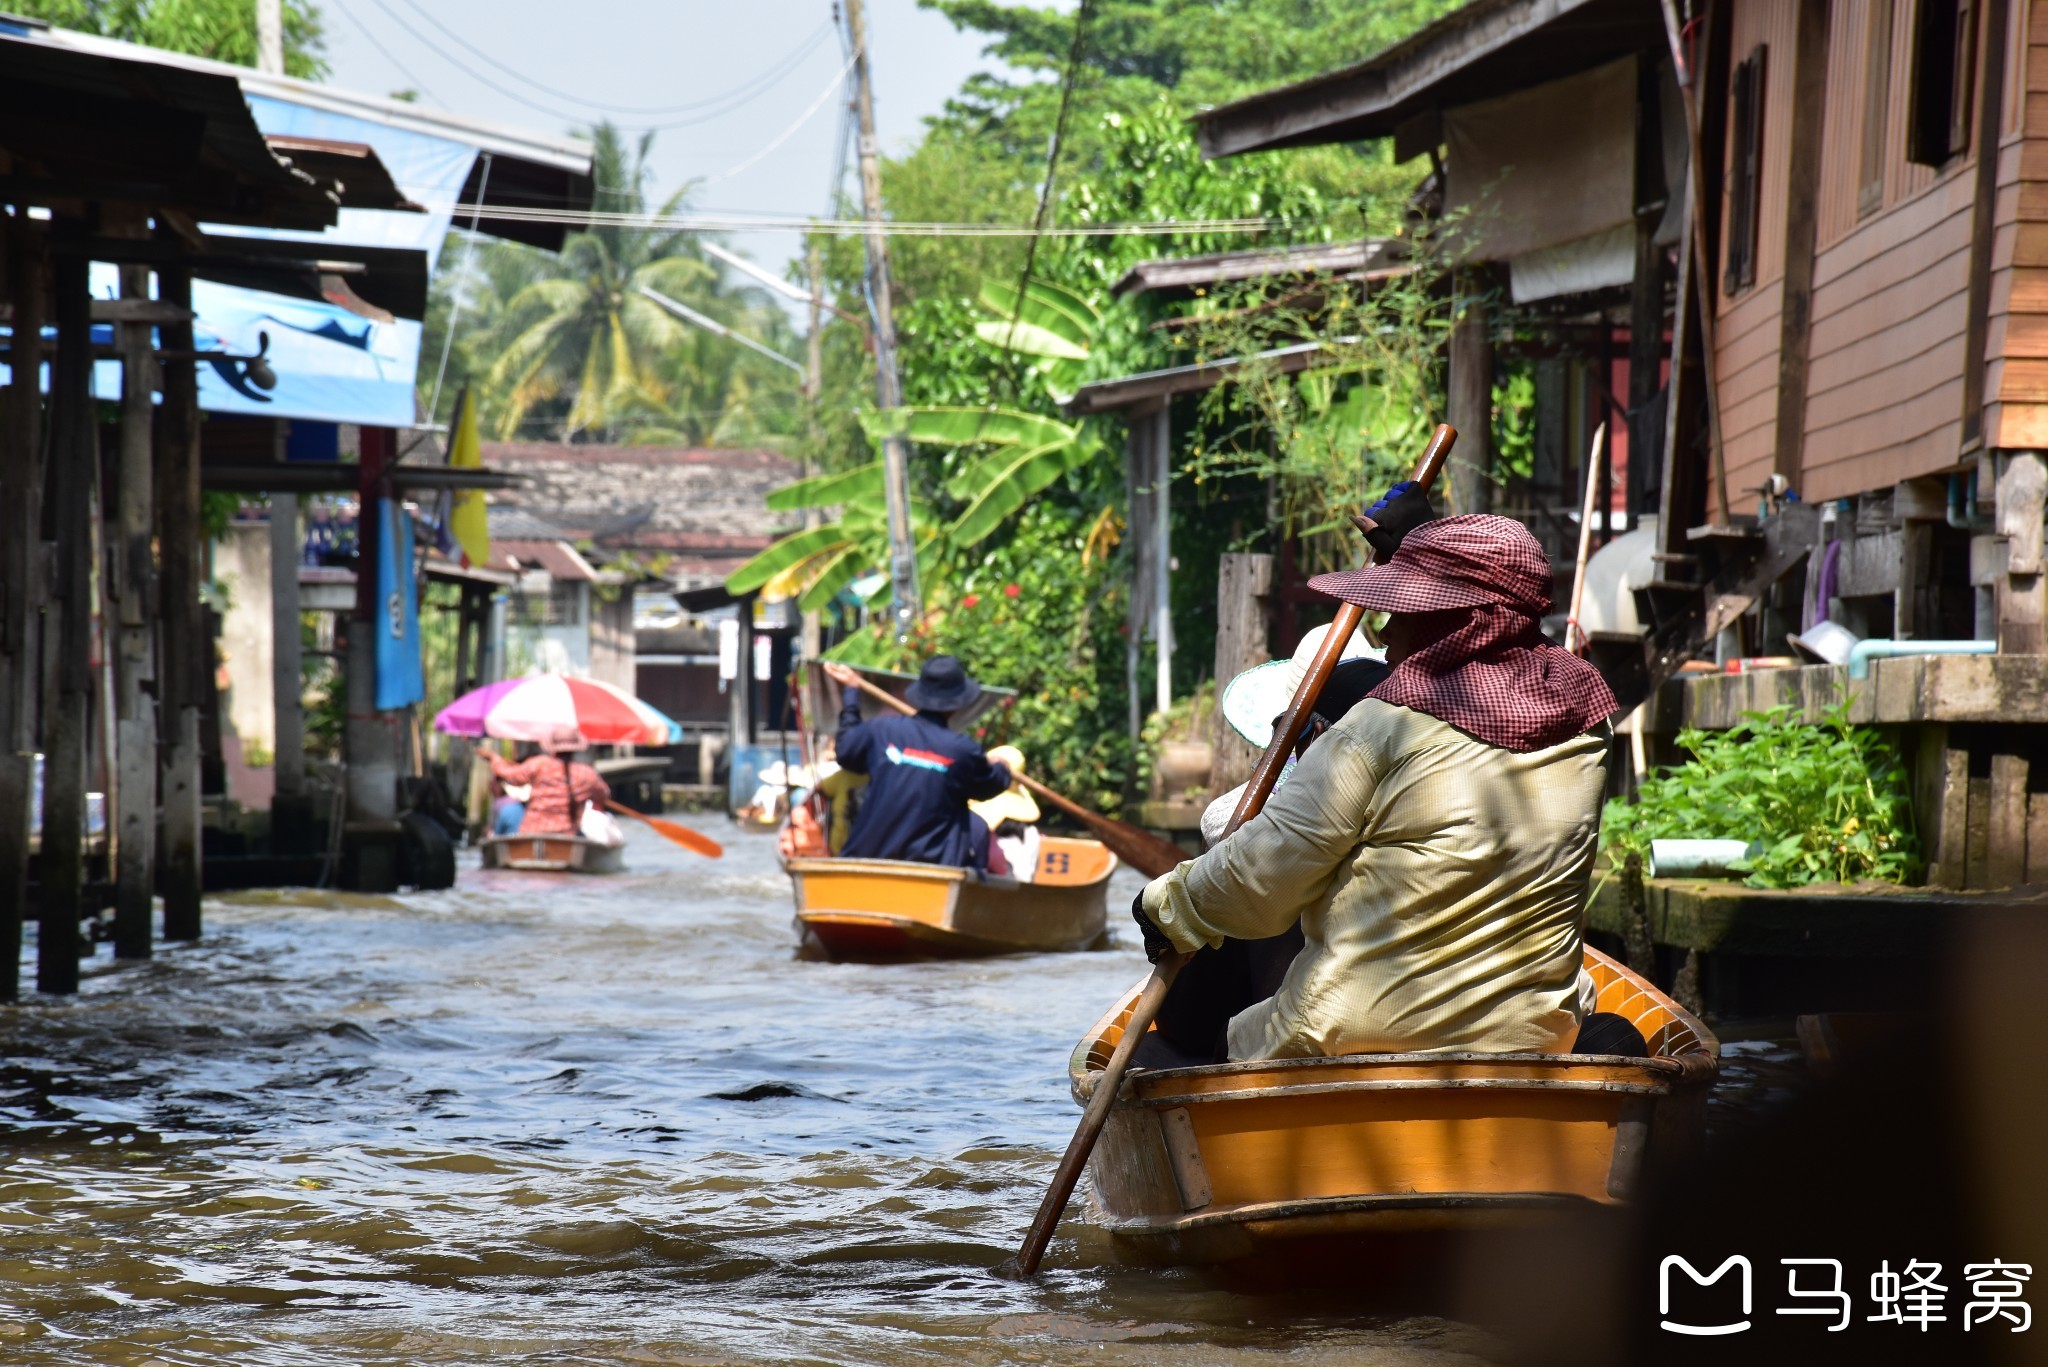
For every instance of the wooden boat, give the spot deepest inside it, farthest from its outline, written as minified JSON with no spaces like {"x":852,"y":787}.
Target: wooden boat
{"x":1226,"y":1162}
{"x":552,"y":854}
{"x":891,"y":908}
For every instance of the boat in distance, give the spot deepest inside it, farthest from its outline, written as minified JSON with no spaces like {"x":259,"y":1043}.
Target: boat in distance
{"x":893,"y":908}
{"x":562,"y":853}
{"x":1240,"y":1160}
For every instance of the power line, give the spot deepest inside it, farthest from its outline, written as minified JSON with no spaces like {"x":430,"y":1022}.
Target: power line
{"x":1045,"y":194}
{"x":788,"y":132}
{"x":775,"y":72}
{"x":746,"y":223}
{"x":385,"y":52}
{"x":525,"y":97}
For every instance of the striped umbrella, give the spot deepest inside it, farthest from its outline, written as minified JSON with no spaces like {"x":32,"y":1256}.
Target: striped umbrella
{"x":534,"y":708}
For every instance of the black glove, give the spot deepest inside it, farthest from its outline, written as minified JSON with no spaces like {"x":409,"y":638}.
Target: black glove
{"x":1403,"y":508}
{"x":1157,"y":946}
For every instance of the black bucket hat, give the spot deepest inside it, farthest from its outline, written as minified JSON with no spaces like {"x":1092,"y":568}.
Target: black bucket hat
{"x":943,"y":685}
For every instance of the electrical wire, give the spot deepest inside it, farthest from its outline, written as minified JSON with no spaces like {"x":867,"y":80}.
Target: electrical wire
{"x":385,"y":52}
{"x":526,"y":98}
{"x":788,"y":132}
{"x":1068,"y":80}
{"x":773,"y":73}
{"x":757,"y":222}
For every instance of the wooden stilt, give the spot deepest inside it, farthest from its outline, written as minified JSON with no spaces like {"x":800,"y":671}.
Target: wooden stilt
{"x":183,"y":643}
{"x":72,"y":470}
{"x":21,"y":499}
{"x":134,"y":585}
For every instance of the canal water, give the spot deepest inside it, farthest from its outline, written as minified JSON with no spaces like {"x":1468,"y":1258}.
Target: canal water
{"x":578,"y":1121}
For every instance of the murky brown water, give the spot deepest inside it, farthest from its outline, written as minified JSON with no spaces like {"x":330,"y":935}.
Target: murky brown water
{"x":553,"y":1121}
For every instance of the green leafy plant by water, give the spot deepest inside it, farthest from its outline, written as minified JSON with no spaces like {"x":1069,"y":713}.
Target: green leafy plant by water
{"x":1828,"y":800}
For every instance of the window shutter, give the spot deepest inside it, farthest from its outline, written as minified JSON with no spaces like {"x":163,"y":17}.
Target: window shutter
{"x":1746,"y":172}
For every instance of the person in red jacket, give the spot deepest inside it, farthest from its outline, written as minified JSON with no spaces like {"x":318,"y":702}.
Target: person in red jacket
{"x":561,"y":786}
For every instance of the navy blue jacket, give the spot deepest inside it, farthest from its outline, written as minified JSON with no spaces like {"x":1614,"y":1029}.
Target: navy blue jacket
{"x":920,"y":778}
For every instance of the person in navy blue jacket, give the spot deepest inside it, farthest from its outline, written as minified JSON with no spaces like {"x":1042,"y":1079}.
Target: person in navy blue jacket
{"x":921,"y":774}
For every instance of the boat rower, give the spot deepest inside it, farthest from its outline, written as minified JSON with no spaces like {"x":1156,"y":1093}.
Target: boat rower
{"x":921,"y":773}
{"x":1436,"y":844}
{"x":560,"y":786}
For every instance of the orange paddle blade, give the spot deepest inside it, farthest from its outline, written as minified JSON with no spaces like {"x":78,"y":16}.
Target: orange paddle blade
{"x":676,"y":831}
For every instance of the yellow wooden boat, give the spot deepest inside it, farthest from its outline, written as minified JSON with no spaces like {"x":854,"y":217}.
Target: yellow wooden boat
{"x":1237,"y":1160}
{"x":551,"y":854}
{"x":891,"y":908}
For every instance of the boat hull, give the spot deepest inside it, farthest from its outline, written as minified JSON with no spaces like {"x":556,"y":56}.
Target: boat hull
{"x":894,"y":909}
{"x":551,"y":854}
{"x":1247,"y":1160}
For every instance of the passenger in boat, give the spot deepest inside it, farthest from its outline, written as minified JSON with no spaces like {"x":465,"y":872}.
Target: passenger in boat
{"x":1223,"y":979}
{"x":921,"y":773}
{"x":1436,"y":844}
{"x":1011,"y":818}
{"x":562,"y":787}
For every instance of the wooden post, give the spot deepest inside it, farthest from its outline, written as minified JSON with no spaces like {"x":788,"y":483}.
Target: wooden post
{"x":289,"y":723}
{"x":71,"y":472}
{"x":1162,"y":553}
{"x":2023,"y":588}
{"x":21,"y":558}
{"x":1244,"y":587}
{"x":1941,"y":805}
{"x":1471,"y":396}
{"x":370,"y":737}
{"x":134,"y":587}
{"x":2005,"y":863}
{"x":1646,"y":290}
{"x":1802,"y":218}
{"x":183,"y":646}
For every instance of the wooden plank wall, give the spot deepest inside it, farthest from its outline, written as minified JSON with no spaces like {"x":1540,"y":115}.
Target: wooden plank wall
{"x":1885,"y":388}
{"x":2018,"y":354}
{"x":1746,"y":344}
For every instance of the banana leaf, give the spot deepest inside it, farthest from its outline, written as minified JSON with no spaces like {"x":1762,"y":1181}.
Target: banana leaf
{"x":790,"y":550}
{"x":1030,"y":339}
{"x":822,"y":491}
{"x":835,"y":574}
{"x":941,"y":425}
{"x":1024,"y":474}
{"x":1048,"y":307}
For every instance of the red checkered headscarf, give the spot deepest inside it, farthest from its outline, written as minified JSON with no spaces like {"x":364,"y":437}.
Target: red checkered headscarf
{"x":1497,"y":676}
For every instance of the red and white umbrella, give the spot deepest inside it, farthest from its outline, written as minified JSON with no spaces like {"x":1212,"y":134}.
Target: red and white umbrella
{"x":534,"y":709}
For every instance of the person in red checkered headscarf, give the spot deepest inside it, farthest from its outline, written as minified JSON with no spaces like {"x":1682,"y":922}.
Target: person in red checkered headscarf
{"x":1436,"y":844}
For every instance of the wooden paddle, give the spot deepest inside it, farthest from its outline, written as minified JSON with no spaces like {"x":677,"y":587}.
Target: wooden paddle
{"x":1142,"y":850}
{"x":680,"y":834}
{"x":1285,"y":733}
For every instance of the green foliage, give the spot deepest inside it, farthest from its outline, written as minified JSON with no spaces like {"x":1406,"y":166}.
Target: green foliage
{"x":1829,"y":802}
{"x":566,"y":344}
{"x":224,"y":30}
{"x":1041,"y":613}
{"x":1331,"y":438}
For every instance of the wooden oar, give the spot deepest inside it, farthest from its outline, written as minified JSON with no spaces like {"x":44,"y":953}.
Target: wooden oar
{"x":1285,"y":733}
{"x":1142,"y":850}
{"x":680,"y":834}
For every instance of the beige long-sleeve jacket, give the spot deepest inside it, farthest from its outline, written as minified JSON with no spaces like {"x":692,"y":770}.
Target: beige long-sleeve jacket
{"x":1440,"y":883}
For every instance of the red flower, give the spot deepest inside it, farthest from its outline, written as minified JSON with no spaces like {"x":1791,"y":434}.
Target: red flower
{"x":1011,"y":590}
{"x":971,"y":600}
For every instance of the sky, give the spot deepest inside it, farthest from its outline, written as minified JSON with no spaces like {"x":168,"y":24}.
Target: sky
{"x":754,"y":151}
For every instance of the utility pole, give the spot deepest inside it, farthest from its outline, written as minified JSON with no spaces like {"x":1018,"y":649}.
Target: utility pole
{"x":814,"y":379}
{"x":888,"y":384}
{"x":270,"y":37}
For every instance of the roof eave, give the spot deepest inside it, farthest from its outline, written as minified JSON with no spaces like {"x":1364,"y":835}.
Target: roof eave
{"x":1369,"y":99}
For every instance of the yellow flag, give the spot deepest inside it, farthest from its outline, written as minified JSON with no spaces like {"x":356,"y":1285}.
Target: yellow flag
{"x":467,"y":519}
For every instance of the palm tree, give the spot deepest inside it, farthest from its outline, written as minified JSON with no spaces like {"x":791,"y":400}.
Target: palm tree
{"x":570,"y":336}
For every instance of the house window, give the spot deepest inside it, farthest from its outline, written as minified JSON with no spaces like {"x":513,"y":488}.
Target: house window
{"x":1877,"y":92}
{"x":1944,"y":46}
{"x":1745,"y":179}
{"x":560,"y":606}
